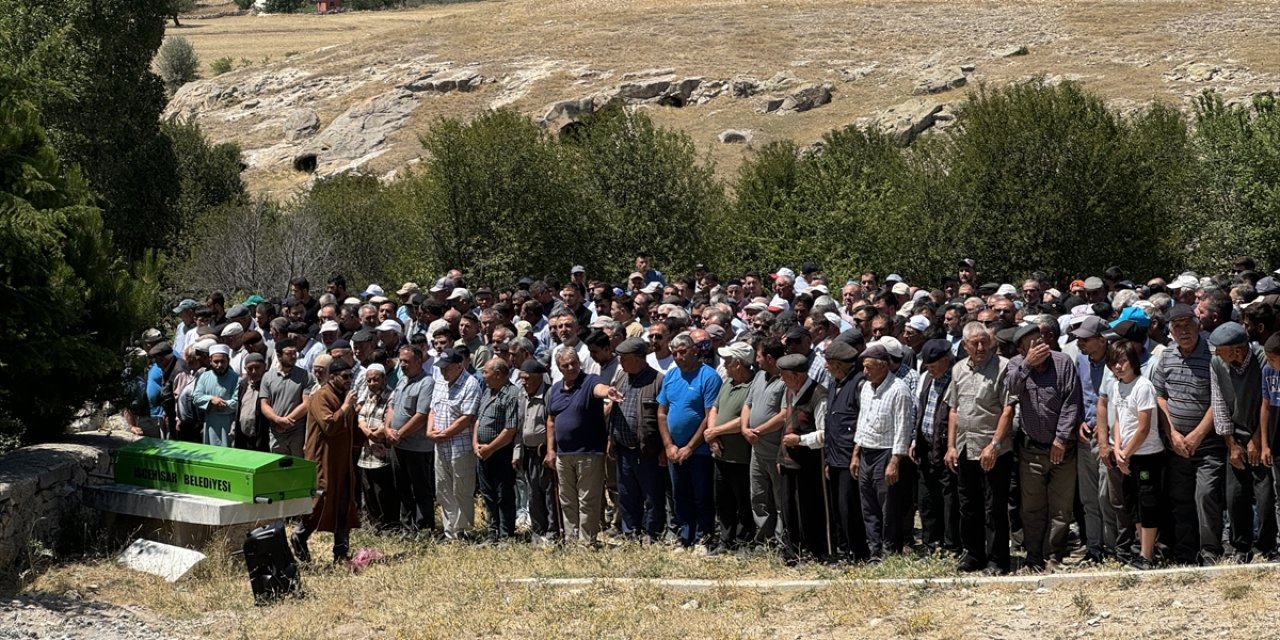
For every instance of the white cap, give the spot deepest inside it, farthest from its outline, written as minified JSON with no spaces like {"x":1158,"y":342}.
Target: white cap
{"x":376,"y":367}
{"x":833,"y":318}
{"x":652,"y":287}
{"x":330,"y":326}
{"x":232,"y":329}
{"x":778,"y":303}
{"x":1007,"y":290}
{"x":819,"y":288}
{"x":436,"y":325}
{"x":784,"y":271}
{"x":352,"y":300}
{"x":756,"y":305}
{"x":459,"y":294}
{"x":900,"y":289}
{"x":379,"y":299}
{"x":891,"y":345}
{"x":919,"y":323}
{"x":390,"y":325}
{"x":220,"y":348}
{"x":1185,"y":281}
{"x":373,"y":290}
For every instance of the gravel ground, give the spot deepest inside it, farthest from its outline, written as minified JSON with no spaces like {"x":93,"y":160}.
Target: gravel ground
{"x":70,"y":617}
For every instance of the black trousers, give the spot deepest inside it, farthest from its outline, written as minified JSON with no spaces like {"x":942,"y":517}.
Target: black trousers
{"x":733,"y":503}
{"x":1243,"y":487}
{"x":984,"y":510}
{"x":415,"y":482}
{"x":498,"y":489}
{"x":802,"y":508}
{"x":380,"y":499}
{"x":844,"y":503}
{"x":939,"y":503}
{"x":882,"y":504}
{"x":542,"y":494}
{"x":1197,"y":493}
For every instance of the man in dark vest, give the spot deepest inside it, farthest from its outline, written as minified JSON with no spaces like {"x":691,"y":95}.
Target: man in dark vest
{"x":800,"y":463}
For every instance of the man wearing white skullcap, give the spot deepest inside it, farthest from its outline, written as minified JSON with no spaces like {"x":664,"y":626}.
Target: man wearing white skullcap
{"x":215,"y":395}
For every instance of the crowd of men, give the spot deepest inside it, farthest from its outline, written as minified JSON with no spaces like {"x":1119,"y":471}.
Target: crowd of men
{"x":811,"y":417}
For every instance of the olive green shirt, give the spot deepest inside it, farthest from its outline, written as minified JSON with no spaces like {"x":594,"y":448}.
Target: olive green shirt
{"x":978,"y":396}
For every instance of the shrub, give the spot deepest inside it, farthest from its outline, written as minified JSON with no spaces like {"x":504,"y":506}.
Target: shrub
{"x":282,"y":6}
{"x":220,"y":66}
{"x":177,"y":63}
{"x":245,"y":5}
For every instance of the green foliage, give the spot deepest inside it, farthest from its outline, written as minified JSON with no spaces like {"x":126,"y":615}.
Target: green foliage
{"x":245,"y":5}
{"x":1237,"y":202}
{"x":372,"y":242}
{"x":67,"y":298}
{"x":178,"y":7}
{"x":177,"y":63}
{"x":101,"y":104}
{"x":283,"y":6}
{"x":220,"y":66}
{"x":208,"y":174}
{"x":653,"y":194}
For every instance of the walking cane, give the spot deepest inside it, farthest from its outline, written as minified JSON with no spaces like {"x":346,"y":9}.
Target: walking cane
{"x":826,"y":507}
{"x":555,"y":503}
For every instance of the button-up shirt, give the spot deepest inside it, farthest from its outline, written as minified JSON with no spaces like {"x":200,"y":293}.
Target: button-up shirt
{"x":448,"y":402}
{"x":978,"y":396}
{"x":1048,"y":396}
{"x":639,"y":393}
{"x":884,"y":420}
{"x":936,"y":391}
{"x":498,"y":410}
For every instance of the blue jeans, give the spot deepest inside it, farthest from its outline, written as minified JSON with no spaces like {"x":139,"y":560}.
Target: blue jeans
{"x":641,"y":494}
{"x":691,"y":488}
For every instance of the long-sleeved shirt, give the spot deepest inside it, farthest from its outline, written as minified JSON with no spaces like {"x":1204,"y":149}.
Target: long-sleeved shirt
{"x":210,"y":385}
{"x":1236,"y":395}
{"x":1091,"y":374}
{"x":885,"y":417}
{"x":1049,"y":397}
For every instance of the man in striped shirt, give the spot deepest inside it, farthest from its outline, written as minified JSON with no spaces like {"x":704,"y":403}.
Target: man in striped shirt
{"x":1196,"y":477}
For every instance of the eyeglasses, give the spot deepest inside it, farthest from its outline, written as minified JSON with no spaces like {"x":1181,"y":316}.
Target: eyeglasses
{"x":703,"y":346}
{"x":346,"y":375}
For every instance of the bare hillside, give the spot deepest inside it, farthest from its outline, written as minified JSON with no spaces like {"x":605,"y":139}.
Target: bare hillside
{"x":313,"y":95}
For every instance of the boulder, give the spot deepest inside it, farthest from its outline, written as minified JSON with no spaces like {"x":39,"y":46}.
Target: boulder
{"x":943,"y":79}
{"x":744,"y":87}
{"x":301,"y":123}
{"x":1011,"y":52}
{"x":806,"y":97}
{"x":645,"y":89}
{"x":559,"y":114}
{"x":359,"y":134}
{"x":735,"y":136}
{"x":462,"y":80}
{"x":857,"y":73}
{"x":909,"y":119}
{"x":1202,"y":72}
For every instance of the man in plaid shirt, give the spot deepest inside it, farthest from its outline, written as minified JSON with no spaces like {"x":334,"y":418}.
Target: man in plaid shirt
{"x":453,"y":414}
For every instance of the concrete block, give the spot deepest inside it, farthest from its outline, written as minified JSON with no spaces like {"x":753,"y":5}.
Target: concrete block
{"x":167,"y":561}
{"x":181,"y":507}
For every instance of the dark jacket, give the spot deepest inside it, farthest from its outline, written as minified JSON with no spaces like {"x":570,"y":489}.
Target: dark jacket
{"x":842,"y":419}
{"x":937,"y":447}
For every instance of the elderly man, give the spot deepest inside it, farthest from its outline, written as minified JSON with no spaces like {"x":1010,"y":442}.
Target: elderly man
{"x":412,"y":453}
{"x":283,"y":400}
{"x":688,"y":393}
{"x":635,"y":442}
{"x":1196,"y":475}
{"x":800,"y":463}
{"x":764,"y":414}
{"x":843,"y":409}
{"x":563,"y":326}
{"x":576,"y":441}
{"x":732,"y":452}
{"x":332,"y":438}
{"x":373,"y":400}
{"x":216,"y":394}
{"x":879,"y":460}
{"x":454,"y":404}
{"x":1236,"y":396}
{"x":251,"y":429}
{"x":493,"y":441}
{"x":978,"y":445}
{"x":936,"y":485}
{"x":543,"y":496}
{"x":1048,"y":389}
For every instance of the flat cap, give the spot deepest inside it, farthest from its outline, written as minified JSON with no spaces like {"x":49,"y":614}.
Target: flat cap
{"x":841,"y":352}
{"x":237,"y":311}
{"x":875,"y":352}
{"x":162,"y":348}
{"x":532,"y":365}
{"x":1229,"y":334}
{"x":1180,"y":311}
{"x":633,"y":346}
{"x":1093,"y":283}
{"x":1025,"y":331}
{"x":231,"y":329}
{"x":448,"y":357}
{"x":796,"y":333}
{"x":934,"y":350}
{"x":793,"y":362}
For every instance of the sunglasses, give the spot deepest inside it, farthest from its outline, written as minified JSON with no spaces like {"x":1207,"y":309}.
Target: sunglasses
{"x":703,"y":346}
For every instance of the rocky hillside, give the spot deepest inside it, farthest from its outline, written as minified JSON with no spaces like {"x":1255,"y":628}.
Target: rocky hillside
{"x":316,"y":95}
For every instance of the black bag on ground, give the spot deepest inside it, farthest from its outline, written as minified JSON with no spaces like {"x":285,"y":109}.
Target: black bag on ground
{"x":273,"y":572}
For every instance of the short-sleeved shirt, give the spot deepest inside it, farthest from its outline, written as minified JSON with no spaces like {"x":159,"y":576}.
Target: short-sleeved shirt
{"x":284,"y":391}
{"x":688,"y":396}
{"x":533,"y":417}
{"x":1271,"y":396}
{"x":765,"y":399}
{"x":1130,"y":398}
{"x":578,"y":415}
{"x":978,"y":396}
{"x":1184,"y":383}
{"x":449,"y":402}
{"x":499,"y":410}
{"x":412,"y":396}
{"x":733,"y":446}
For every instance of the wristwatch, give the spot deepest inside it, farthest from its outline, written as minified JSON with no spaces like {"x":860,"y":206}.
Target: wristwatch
{"x":995,"y":444}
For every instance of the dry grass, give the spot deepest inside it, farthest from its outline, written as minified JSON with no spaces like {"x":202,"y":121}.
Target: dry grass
{"x":448,"y":591}
{"x":1120,"y":48}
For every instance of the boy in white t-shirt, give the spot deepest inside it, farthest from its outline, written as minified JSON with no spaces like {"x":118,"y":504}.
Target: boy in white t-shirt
{"x":1139,"y":452}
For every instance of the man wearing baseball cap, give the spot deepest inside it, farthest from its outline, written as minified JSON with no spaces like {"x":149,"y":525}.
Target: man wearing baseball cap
{"x":936,"y":485}
{"x":730,"y":450}
{"x":1093,"y":456}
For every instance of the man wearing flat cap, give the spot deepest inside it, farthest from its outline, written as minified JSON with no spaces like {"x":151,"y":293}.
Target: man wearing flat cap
{"x":800,"y":462}
{"x":1196,"y":476}
{"x":843,"y":499}
{"x":935,"y":485}
{"x":1048,"y":389}
{"x":1236,"y":398}
{"x":880,"y":455}
{"x":333,"y":437}
{"x":636,"y":445}
{"x":251,"y":427}
{"x":216,"y":394}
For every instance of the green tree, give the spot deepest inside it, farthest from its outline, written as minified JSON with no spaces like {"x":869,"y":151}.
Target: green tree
{"x":102,"y":104}
{"x":178,"y":7}
{"x":1237,"y":200}
{"x":208,"y":174}
{"x":70,"y":304}
{"x":177,"y":63}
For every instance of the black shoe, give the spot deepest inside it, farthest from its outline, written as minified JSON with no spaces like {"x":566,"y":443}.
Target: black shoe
{"x":1091,"y":558}
{"x":994,"y":569}
{"x":300,"y":548}
{"x":1141,"y":564}
{"x":969,"y":564}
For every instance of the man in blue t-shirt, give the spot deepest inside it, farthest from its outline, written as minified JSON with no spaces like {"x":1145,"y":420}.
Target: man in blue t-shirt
{"x":689,"y":390}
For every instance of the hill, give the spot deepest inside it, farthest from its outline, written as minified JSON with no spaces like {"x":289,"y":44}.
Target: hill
{"x":313,"y":95}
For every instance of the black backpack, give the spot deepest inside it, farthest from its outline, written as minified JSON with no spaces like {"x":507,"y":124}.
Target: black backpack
{"x":273,"y":572}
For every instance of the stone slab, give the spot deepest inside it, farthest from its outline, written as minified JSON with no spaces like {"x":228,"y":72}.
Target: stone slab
{"x":159,"y":559}
{"x":180,"y":507}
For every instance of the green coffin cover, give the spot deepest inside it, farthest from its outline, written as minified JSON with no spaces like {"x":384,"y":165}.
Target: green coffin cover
{"x":217,"y":472}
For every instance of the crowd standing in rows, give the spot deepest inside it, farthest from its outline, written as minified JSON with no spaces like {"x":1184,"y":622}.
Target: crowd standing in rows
{"x":815,"y":418}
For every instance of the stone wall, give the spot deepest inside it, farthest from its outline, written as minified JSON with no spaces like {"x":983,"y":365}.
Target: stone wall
{"x":40,"y":502}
